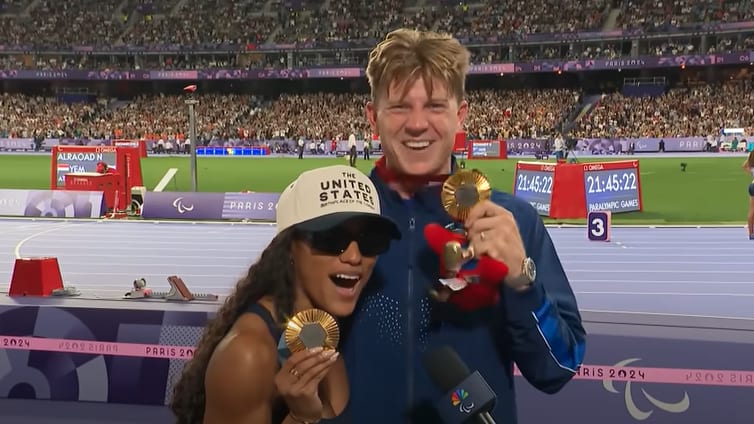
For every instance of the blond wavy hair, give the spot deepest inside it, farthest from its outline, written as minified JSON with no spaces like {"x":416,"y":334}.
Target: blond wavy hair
{"x":406,"y":55}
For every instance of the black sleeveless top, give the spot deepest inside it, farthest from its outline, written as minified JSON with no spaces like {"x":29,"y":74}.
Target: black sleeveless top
{"x":280,"y":409}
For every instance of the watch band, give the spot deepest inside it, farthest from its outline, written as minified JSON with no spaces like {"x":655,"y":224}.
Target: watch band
{"x":523,"y":283}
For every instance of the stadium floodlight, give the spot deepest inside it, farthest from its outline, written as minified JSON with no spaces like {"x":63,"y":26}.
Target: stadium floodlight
{"x":192,"y":102}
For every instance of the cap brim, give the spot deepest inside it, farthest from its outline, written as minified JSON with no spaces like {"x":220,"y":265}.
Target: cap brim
{"x":330,"y":221}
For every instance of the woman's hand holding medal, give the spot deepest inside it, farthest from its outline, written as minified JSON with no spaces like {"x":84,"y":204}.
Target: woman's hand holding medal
{"x":299,"y":378}
{"x":312,"y":337}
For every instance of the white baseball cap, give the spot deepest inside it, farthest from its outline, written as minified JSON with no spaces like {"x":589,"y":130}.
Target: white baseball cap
{"x":323,"y":198}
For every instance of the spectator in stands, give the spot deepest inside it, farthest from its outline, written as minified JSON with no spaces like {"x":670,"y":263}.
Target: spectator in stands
{"x":417,"y":106}
{"x":322,"y":257}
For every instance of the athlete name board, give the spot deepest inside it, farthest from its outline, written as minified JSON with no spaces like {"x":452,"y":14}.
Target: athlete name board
{"x":79,"y":159}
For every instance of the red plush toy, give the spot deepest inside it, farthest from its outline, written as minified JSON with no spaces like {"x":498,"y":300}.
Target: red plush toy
{"x":469,"y":283}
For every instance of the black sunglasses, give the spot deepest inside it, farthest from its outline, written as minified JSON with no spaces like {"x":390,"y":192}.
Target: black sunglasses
{"x":371,"y":242}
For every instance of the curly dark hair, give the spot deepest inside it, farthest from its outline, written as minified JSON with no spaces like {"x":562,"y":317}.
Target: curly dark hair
{"x":271,"y":275}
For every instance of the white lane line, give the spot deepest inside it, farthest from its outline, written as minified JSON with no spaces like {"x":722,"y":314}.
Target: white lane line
{"x":17,"y":250}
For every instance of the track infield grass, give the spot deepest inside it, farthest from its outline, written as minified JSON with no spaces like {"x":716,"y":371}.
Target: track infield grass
{"x":712,"y":190}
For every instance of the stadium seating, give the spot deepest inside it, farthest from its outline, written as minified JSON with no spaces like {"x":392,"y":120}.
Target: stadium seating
{"x":682,"y":112}
{"x":247,"y":119}
{"x":215,"y":23}
{"x":242,"y":119}
{"x":224,"y":26}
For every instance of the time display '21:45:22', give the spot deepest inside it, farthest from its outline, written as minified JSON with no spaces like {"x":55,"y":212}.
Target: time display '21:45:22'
{"x":610,"y":181}
{"x":535,"y":182}
{"x":615,"y":190}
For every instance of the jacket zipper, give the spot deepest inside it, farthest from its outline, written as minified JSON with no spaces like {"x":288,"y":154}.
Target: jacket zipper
{"x":410,"y":315}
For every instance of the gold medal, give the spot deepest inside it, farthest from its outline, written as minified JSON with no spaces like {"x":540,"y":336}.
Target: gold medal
{"x":462,"y":190}
{"x":312,"y":328}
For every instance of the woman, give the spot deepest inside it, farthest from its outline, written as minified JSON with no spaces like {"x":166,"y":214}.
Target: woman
{"x":748,"y":165}
{"x":330,"y":232}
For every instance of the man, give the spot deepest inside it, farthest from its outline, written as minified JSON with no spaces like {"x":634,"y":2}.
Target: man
{"x":417,"y":105}
{"x":104,"y":168}
{"x":560,"y":147}
{"x":367,"y":148}
{"x":352,"y":155}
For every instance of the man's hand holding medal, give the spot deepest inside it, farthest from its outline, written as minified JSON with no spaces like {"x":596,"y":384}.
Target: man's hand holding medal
{"x":484,"y":248}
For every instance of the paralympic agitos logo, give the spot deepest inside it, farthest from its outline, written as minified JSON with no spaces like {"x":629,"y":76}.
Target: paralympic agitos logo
{"x":633,"y":409}
{"x":182,"y":207}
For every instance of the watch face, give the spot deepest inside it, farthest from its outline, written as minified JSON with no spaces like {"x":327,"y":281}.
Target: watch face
{"x":530,"y":269}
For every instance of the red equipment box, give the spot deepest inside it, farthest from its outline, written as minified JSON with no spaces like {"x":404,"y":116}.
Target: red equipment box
{"x":109,"y":184}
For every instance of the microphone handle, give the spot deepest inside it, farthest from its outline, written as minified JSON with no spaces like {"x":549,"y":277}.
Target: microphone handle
{"x":486,"y":418}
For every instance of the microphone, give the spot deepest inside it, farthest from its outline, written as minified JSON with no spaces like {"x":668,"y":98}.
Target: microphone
{"x":468,"y":398}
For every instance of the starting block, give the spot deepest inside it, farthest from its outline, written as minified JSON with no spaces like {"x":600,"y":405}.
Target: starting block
{"x":38,"y":277}
{"x":598,"y":225}
{"x":178,"y":292}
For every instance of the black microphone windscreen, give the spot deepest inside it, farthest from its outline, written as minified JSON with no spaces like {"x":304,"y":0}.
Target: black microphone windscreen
{"x":445,"y":368}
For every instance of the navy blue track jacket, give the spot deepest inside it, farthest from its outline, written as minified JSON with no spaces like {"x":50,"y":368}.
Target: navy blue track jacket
{"x":396,"y":322}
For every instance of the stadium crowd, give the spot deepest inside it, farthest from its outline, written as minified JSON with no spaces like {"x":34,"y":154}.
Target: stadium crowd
{"x":322,"y":116}
{"x":494,"y":113}
{"x":206,"y":23}
{"x":24,"y":116}
{"x":695,"y":111}
{"x":681,"y":112}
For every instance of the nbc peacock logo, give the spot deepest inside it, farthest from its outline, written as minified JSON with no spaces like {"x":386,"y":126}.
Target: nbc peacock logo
{"x":458,"y":396}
